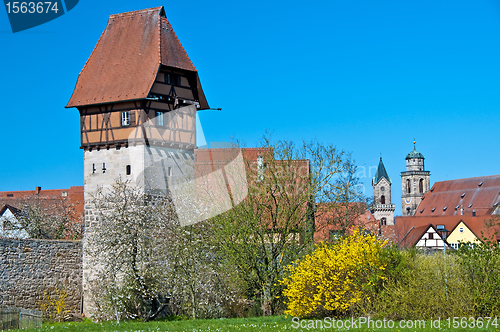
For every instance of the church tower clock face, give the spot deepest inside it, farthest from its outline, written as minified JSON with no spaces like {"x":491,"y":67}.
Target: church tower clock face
{"x":407,"y":200}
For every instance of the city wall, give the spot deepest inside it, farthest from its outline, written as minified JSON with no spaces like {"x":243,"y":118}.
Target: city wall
{"x":29,"y":268}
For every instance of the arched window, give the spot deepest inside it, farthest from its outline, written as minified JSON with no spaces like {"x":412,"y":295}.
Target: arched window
{"x":408,"y":186}
{"x":382,"y":199}
{"x":383,"y":221}
{"x":421,"y":186}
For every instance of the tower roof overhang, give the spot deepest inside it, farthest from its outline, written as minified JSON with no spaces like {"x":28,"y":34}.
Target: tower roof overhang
{"x":125,"y":62}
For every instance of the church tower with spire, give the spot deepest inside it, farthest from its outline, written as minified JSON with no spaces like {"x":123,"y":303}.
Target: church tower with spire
{"x":415,"y":182}
{"x":382,"y":210}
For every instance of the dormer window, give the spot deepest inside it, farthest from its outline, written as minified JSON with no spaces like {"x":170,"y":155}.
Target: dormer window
{"x":173,"y":79}
{"x":463,"y":195}
{"x":125,"y":118}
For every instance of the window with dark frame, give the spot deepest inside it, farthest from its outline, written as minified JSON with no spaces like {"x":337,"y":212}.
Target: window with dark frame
{"x":125,"y":118}
{"x":128,"y":170}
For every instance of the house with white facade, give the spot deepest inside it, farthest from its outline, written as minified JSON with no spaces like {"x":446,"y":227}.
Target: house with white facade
{"x":10,"y":225}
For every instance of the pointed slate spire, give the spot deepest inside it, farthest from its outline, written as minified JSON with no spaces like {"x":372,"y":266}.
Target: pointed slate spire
{"x":381,"y":173}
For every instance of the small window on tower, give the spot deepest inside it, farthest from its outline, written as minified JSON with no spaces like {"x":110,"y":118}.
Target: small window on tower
{"x":125,"y":118}
{"x":128,"y":170}
{"x":159,"y":118}
{"x":169,"y":171}
{"x":382,"y":199}
{"x":104,"y":167}
{"x":93,"y":168}
{"x":383,"y":221}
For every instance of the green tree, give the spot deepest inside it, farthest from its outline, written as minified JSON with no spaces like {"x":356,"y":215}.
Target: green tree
{"x":275,"y":223}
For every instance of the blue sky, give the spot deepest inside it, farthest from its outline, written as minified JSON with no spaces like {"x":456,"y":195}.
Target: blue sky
{"x":367,"y":76}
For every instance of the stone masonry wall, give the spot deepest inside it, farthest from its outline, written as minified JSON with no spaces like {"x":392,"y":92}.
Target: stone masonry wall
{"x":29,"y":267}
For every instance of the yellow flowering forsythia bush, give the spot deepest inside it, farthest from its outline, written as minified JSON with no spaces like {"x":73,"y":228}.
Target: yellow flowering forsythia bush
{"x":332,"y":279}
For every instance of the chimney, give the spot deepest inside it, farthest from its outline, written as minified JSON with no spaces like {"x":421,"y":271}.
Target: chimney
{"x":37,"y":190}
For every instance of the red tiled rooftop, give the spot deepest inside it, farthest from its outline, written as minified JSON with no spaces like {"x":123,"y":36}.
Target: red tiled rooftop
{"x":477,"y":225}
{"x":480,"y":194}
{"x":124,"y":63}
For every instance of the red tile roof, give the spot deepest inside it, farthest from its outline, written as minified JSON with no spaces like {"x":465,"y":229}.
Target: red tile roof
{"x":479,"y":194}
{"x":413,"y":235}
{"x":478,"y":225}
{"x":127,"y":57}
{"x":50,"y":198}
{"x":359,"y":217}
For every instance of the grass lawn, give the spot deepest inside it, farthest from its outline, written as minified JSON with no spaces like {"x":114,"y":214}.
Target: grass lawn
{"x":276,"y":323}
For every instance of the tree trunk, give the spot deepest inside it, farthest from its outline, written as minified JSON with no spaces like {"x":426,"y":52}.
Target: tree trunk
{"x":267,"y":306}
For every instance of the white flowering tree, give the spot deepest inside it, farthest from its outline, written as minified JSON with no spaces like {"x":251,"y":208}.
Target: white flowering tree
{"x":146,"y":264}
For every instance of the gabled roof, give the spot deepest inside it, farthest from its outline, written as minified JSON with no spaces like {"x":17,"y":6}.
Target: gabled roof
{"x":414,"y":234}
{"x":124,"y":64}
{"x":481,"y":194}
{"x":478,"y":225}
{"x":381,"y":173}
{"x":16,"y":212}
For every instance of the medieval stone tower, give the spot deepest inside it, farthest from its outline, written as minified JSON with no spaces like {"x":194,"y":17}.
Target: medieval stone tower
{"x":415,"y":182}
{"x":137,"y":95}
{"x":383,"y":210}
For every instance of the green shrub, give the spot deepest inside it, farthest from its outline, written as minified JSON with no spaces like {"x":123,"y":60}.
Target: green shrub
{"x":426,"y":286}
{"x":481,"y":269}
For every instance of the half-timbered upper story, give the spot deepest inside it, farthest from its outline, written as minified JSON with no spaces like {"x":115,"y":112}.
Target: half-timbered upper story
{"x":138,"y":85}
